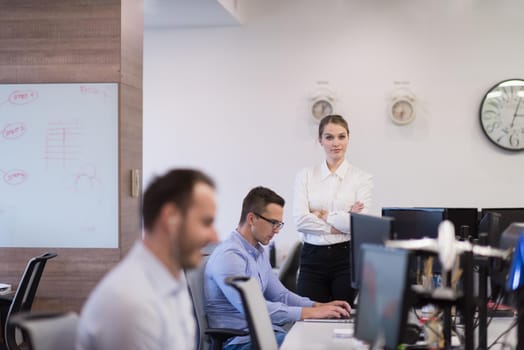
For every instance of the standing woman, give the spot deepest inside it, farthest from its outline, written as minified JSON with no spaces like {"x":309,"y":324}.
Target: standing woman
{"x":324,"y":198}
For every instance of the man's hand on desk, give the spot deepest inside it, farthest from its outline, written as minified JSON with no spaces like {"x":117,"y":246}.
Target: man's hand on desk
{"x":333,"y":309}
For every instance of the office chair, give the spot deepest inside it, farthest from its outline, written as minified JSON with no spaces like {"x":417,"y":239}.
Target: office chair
{"x":262,"y":334}
{"x":289,"y":270}
{"x":47,"y":331}
{"x":207,"y":338}
{"x":23,"y":298}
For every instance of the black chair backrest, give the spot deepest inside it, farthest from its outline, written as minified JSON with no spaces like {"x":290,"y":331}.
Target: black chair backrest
{"x":289,"y":269}
{"x":207,"y":338}
{"x":195,"y":282}
{"x":255,"y":309}
{"x":25,"y":294}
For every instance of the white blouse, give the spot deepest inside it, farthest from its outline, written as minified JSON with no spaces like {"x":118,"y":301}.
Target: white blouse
{"x":316,"y":189}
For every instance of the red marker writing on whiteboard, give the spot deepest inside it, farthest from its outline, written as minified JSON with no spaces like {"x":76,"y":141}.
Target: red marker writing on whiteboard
{"x":84,"y":90}
{"x":14,"y":177}
{"x":22,"y":97}
{"x":13,"y":130}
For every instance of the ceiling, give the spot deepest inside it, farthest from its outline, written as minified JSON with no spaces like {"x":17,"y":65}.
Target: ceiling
{"x":190,"y":13}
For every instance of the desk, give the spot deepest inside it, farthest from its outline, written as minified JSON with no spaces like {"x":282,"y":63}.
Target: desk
{"x":319,"y":336}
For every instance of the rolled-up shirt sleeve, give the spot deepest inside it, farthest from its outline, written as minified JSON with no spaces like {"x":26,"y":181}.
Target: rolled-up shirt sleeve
{"x":287,"y":306}
{"x":339,"y":219}
{"x":364,"y":192}
{"x":283,"y":306}
{"x":229,"y":264}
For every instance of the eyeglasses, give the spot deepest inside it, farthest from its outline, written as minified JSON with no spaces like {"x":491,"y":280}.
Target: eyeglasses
{"x":277,"y":225}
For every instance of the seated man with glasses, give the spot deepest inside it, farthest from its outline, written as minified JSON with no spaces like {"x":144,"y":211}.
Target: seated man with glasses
{"x":242,"y":254}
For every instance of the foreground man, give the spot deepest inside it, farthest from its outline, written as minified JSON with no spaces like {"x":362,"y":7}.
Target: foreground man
{"x":143,"y":303}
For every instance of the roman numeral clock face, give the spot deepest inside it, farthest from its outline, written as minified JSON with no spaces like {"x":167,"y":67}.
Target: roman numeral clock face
{"x":502,"y":114}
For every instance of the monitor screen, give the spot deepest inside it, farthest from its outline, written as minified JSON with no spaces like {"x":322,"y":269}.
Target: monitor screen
{"x":415,"y":223}
{"x":507,"y":216}
{"x":366,"y":229}
{"x":383,"y":301}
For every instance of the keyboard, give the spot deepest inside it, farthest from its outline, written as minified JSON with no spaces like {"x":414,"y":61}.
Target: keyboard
{"x":330,"y":320}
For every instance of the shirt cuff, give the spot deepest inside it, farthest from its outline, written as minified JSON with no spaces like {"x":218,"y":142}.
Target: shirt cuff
{"x":295,"y":313}
{"x":338,"y":220}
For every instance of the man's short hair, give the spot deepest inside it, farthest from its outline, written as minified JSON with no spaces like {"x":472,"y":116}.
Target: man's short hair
{"x":176,"y":187}
{"x":256,"y":201}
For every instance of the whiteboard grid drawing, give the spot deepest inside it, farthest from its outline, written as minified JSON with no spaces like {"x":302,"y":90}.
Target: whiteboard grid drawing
{"x":59,"y":165}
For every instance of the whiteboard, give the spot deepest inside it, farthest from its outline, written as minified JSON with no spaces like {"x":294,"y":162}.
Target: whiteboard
{"x":59,"y":165}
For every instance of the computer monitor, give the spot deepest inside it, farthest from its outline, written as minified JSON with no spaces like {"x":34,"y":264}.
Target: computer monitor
{"x":462,"y":217}
{"x":490,"y":224}
{"x":465,"y":220}
{"x":507,"y":215}
{"x":415,"y":223}
{"x":383,"y":301}
{"x":366,"y":229}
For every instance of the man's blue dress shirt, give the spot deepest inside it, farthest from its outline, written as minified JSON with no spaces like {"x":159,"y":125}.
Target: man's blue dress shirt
{"x":236,"y":257}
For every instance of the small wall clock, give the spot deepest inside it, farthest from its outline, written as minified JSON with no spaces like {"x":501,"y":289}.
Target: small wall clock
{"x":502,"y":114}
{"x":322,"y":101}
{"x":402,"y":109}
{"x":321,"y":107}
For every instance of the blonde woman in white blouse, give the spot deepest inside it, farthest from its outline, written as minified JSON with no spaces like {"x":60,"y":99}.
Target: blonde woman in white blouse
{"x":325,"y":196}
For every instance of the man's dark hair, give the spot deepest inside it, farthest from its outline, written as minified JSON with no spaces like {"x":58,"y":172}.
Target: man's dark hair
{"x":256,"y":201}
{"x":176,"y":187}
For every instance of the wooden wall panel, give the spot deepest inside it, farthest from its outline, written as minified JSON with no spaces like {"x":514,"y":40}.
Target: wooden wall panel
{"x":78,"y":41}
{"x":131,"y":114}
{"x":60,"y":41}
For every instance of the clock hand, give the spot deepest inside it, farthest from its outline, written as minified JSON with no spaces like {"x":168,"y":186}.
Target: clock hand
{"x":516,"y":112}
{"x":518,"y":105}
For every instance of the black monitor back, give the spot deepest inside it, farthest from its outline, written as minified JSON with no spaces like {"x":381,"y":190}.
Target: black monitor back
{"x":507,"y":216}
{"x":462,"y":217}
{"x":465,"y":220}
{"x":490,"y":224}
{"x":383,"y":299}
{"x":366,"y":229}
{"x":415,"y":223}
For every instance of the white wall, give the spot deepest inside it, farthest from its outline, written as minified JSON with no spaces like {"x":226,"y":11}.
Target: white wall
{"x":233,"y":101}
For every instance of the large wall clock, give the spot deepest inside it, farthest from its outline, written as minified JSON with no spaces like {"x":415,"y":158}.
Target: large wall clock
{"x":502,"y":114}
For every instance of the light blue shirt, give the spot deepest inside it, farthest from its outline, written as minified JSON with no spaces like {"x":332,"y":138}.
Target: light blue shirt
{"x":236,"y":257}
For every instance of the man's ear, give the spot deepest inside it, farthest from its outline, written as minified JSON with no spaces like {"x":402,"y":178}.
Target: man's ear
{"x":171,"y":216}
{"x":249,"y":218}
{"x":174,"y":220}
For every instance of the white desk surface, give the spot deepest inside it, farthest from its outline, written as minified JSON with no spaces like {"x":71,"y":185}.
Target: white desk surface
{"x":321,"y":336}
